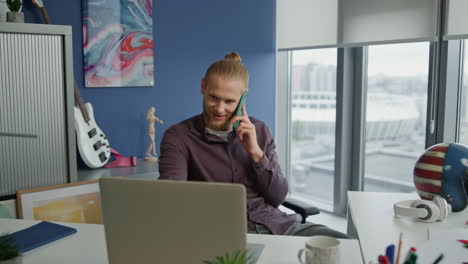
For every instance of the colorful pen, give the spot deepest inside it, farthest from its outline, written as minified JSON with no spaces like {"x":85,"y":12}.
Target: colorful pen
{"x":383,"y":260}
{"x":438,"y":259}
{"x":390,"y":253}
{"x":411,"y":259}
{"x":465,"y":242}
{"x":399,"y":249}
{"x":411,"y":251}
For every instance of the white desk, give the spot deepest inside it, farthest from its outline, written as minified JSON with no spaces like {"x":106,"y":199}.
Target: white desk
{"x":88,"y":246}
{"x":371,"y":217}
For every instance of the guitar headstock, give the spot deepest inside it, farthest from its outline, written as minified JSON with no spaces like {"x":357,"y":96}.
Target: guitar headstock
{"x":38,"y":3}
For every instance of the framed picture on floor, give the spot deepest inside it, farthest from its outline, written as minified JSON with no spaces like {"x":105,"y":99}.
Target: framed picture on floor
{"x":73,"y":203}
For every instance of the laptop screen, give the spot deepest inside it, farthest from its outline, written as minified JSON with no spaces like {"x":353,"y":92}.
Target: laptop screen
{"x":172,"y":222}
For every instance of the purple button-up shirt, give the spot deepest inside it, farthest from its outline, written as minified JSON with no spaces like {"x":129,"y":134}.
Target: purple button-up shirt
{"x":189,"y":153}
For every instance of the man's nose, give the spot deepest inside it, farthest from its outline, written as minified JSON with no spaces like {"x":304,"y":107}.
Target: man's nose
{"x":219,"y":107}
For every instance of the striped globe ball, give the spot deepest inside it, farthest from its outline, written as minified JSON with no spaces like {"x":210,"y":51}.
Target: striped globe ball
{"x":442,"y":170}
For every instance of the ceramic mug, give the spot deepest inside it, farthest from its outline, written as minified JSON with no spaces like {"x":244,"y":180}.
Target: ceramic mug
{"x":320,"y":250}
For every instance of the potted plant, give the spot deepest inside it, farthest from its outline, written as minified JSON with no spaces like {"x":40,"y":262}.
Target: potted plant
{"x":8,"y":251}
{"x":15,"y":15}
{"x":236,"y":257}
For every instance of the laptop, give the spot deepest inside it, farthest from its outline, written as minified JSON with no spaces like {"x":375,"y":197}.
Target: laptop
{"x":173,"y":221}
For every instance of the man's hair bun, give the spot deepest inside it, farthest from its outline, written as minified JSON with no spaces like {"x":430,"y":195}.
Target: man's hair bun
{"x":234,"y":56}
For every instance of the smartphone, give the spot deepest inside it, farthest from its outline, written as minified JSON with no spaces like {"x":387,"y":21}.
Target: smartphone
{"x":239,"y":110}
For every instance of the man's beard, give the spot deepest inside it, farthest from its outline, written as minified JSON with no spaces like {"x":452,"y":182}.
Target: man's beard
{"x":212,"y":124}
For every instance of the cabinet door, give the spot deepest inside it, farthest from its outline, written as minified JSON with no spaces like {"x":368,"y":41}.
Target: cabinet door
{"x":33,"y":146}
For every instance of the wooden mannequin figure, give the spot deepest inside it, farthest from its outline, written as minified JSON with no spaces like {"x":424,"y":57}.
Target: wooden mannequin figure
{"x":152,"y":147}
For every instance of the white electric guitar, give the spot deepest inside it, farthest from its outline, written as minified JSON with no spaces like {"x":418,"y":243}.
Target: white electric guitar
{"x":92,"y":144}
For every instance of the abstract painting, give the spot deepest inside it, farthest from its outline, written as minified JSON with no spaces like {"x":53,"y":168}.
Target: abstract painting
{"x":73,"y":203}
{"x":118,"y":43}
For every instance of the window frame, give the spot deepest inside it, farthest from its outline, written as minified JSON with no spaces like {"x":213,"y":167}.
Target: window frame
{"x":450,"y":90}
{"x":348,"y":157}
{"x":445,"y":84}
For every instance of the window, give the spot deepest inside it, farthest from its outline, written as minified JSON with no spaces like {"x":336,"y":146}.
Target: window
{"x":397,"y":83}
{"x":464,"y":100}
{"x":313,"y":100}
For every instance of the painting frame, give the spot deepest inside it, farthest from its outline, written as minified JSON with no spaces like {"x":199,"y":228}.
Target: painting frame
{"x":77,"y":202}
{"x":118,"y":46}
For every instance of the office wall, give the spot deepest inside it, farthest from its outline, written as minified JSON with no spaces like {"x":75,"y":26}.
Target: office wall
{"x":188,"y":36}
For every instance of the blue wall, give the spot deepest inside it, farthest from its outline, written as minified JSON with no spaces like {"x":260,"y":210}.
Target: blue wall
{"x":188,"y":36}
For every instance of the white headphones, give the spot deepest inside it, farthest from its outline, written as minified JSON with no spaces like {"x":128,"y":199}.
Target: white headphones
{"x":426,"y":211}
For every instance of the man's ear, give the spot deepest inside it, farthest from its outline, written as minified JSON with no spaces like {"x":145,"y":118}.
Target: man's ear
{"x":203,"y":86}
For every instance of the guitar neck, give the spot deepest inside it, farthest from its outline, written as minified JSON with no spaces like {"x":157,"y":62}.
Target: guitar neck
{"x":45,"y":15}
{"x":78,"y":99}
{"x":80,"y":104}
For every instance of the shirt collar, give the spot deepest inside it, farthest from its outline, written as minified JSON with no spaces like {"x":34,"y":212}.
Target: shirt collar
{"x":221,"y":134}
{"x":200,"y":126}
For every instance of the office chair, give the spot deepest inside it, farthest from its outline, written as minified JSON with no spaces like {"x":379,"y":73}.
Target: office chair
{"x":300,"y":208}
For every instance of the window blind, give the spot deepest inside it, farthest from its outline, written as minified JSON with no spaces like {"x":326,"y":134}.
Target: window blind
{"x":306,"y":23}
{"x":316,"y":23}
{"x":382,"y":21}
{"x":456,"y":19}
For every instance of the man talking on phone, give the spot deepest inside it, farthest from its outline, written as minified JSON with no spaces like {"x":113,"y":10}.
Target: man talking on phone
{"x":206,"y":148}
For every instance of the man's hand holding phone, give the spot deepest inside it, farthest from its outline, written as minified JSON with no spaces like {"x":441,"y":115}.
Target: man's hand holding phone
{"x":247,"y":135}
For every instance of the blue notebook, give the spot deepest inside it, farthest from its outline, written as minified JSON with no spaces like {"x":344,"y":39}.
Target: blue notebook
{"x":38,"y":235}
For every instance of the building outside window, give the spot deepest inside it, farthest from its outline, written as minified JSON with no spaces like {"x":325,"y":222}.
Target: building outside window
{"x":397,"y":84}
{"x":313,"y":118}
